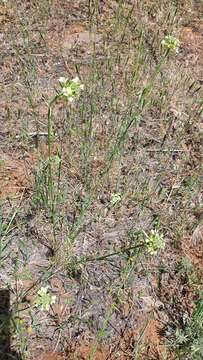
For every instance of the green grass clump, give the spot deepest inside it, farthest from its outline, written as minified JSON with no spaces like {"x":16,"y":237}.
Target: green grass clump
{"x":189,"y":340}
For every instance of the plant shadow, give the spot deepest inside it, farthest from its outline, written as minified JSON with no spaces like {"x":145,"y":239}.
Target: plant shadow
{"x":6,"y":352}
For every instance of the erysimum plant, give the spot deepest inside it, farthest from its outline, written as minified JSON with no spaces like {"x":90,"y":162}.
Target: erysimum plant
{"x":154,"y":242}
{"x":44,"y":299}
{"x":69,"y":91}
{"x":171,"y":43}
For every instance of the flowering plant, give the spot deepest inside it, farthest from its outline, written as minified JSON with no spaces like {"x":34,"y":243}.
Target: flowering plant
{"x":70,"y":89}
{"x":115,"y":198}
{"x":154,"y":242}
{"x":44,"y":299}
{"x":171,"y":43}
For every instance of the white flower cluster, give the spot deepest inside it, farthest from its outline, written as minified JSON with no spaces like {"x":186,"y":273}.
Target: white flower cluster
{"x":70,"y":89}
{"x":171,"y":43}
{"x":44,"y":299}
{"x":115,"y":198}
{"x":154,"y":242}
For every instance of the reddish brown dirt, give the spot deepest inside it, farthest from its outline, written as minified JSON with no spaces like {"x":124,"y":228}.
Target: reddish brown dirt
{"x":154,"y":343}
{"x":15,"y":174}
{"x":83,"y":352}
{"x":6,"y":15}
{"x":192,"y":39}
{"x":121,"y":349}
{"x":193,"y":247}
{"x":50,"y":356}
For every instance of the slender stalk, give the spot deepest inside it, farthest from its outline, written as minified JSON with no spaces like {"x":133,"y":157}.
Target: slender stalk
{"x":50,"y":136}
{"x":104,"y":257}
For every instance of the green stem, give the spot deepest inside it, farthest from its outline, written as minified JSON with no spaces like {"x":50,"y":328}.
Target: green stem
{"x":50,"y":177}
{"x":103,"y":257}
